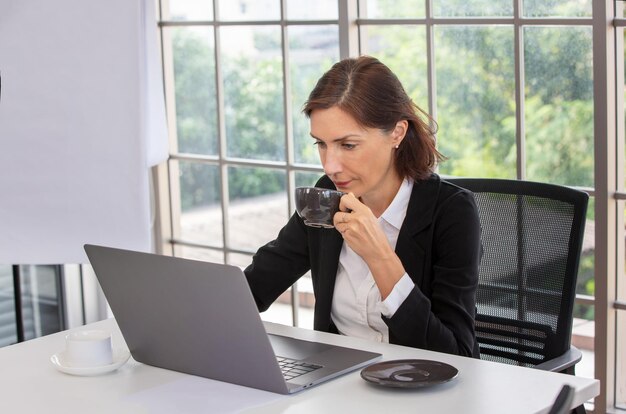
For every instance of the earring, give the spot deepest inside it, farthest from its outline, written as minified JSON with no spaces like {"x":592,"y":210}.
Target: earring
{"x":397,"y":146}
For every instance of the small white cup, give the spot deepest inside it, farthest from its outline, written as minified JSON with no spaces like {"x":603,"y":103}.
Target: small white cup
{"x":90,"y":348}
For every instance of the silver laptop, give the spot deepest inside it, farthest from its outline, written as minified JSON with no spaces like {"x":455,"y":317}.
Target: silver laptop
{"x":200,"y":318}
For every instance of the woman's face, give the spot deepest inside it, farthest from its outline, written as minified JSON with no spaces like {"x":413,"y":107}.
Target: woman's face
{"x":357,"y":159}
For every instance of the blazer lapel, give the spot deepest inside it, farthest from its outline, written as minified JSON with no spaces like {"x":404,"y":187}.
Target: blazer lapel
{"x":410,"y":248}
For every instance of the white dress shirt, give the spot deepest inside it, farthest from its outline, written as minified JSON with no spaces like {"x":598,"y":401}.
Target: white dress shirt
{"x":357,"y":306}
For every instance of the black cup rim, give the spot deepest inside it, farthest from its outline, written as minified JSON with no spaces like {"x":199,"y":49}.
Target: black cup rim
{"x":320,"y":188}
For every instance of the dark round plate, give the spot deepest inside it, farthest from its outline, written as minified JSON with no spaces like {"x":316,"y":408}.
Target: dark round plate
{"x":409,"y":373}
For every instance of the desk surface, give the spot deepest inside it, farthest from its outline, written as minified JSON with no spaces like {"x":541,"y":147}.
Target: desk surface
{"x":30,"y":383}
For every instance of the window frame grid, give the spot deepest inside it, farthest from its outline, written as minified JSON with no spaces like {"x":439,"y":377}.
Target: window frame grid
{"x":619,"y":299}
{"x":222,"y":160}
{"x":349,"y":25}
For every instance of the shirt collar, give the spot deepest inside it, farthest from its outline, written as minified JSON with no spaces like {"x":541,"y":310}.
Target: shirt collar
{"x":395,"y":213}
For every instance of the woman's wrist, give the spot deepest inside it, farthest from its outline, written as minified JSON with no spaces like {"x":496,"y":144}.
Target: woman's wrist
{"x":386,"y":271}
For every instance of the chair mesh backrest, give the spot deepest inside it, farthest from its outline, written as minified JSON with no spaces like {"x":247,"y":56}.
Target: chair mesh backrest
{"x":532,"y":239}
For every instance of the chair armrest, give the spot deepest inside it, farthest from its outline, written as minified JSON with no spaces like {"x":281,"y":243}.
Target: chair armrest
{"x":563,"y":361}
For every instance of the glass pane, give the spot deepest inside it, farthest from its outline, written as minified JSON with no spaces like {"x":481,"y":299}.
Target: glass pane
{"x":583,"y":332}
{"x":258,"y":206}
{"x":241,"y":260}
{"x":403,"y":50}
{"x":620,"y":369}
{"x":456,"y":8}
{"x":247,"y":10}
{"x":188,"y":10}
{"x":307,"y":179}
{"x":476,"y":100}
{"x":253,"y":92}
{"x":585,"y":284}
{"x":40,"y":301}
{"x":201,"y":212}
{"x":389,"y":9}
{"x":197,"y":253}
{"x":195,"y":95}
{"x":583,"y":329}
{"x":8,"y":328}
{"x":559,"y":105}
{"x":314,"y":10}
{"x":557,"y":8}
{"x":312,"y":51}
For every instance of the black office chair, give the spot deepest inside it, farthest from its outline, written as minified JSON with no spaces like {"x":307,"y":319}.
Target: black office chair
{"x":532,"y":236}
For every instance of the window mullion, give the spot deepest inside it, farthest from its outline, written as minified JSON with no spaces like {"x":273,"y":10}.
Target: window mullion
{"x":606,"y":207}
{"x":221,"y":128}
{"x":520,"y":130}
{"x":348,"y":28}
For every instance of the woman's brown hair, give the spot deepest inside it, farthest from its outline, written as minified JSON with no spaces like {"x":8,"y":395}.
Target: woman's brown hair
{"x":371,"y":93}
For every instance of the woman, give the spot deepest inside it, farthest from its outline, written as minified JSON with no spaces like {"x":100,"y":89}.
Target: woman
{"x":401,"y":264}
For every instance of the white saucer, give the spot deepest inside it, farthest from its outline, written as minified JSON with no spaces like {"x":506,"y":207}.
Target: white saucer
{"x":120,"y":356}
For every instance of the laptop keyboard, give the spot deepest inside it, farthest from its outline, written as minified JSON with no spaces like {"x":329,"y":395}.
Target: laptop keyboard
{"x":293,"y":368}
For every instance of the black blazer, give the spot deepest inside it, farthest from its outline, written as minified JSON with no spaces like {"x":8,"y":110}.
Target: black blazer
{"x":439,"y":246}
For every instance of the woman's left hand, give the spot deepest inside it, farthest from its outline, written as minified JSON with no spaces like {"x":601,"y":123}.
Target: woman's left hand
{"x":359,"y":228}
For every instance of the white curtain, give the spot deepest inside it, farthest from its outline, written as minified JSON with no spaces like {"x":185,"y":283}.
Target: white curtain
{"x":82,"y":119}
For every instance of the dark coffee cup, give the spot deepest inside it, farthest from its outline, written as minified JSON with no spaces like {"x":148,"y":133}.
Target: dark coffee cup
{"x":317,"y":206}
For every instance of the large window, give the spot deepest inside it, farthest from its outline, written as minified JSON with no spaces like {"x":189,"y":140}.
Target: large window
{"x":515,"y":86}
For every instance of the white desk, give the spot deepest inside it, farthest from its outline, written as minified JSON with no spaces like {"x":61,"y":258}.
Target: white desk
{"x":30,"y":384}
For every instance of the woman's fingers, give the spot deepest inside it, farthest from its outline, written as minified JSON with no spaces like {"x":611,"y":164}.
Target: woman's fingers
{"x":350,"y":203}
